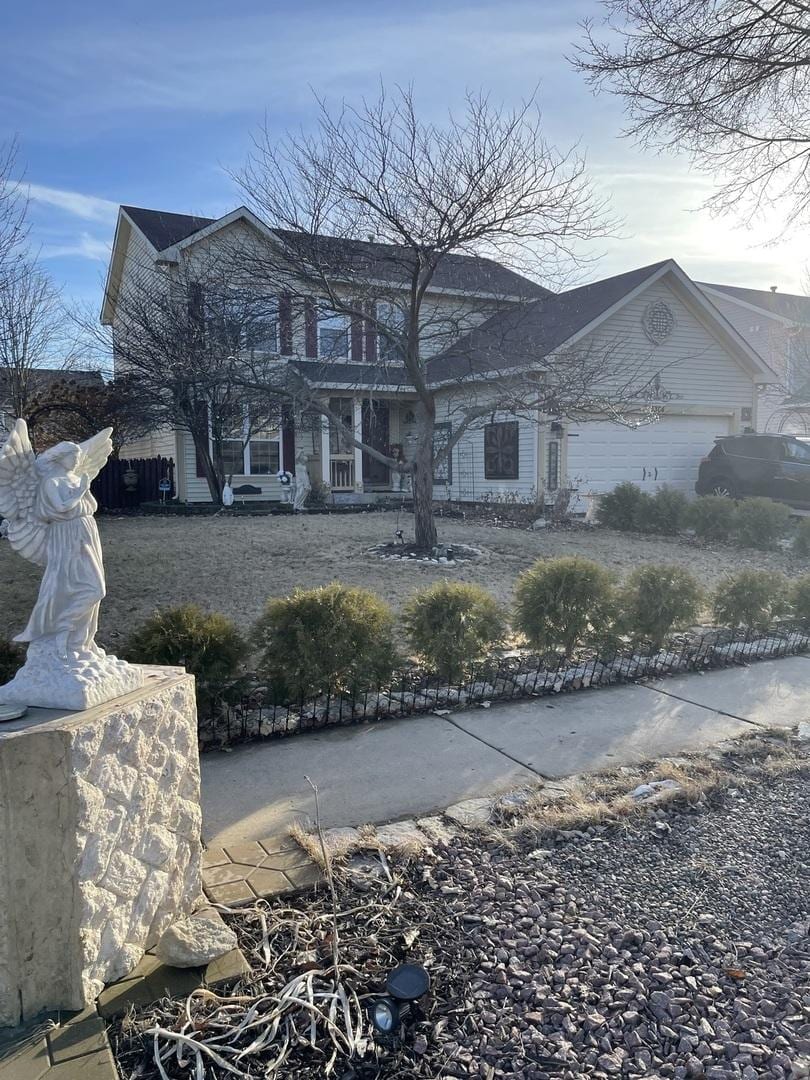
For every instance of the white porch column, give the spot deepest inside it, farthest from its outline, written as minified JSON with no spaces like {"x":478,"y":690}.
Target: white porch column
{"x":357,"y":422}
{"x":326,"y":470}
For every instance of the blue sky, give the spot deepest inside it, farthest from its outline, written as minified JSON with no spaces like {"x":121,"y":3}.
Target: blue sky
{"x":150,"y":103}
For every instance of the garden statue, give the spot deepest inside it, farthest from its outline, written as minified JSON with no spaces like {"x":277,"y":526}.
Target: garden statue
{"x":48,"y":509}
{"x":303,"y":485}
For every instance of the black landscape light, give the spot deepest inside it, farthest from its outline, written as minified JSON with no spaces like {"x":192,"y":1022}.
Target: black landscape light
{"x":404,"y":985}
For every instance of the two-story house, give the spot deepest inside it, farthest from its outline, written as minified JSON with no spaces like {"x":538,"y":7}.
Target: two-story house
{"x":697,"y":370}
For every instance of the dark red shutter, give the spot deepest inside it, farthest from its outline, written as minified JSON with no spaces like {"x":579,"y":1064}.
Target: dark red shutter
{"x":285,"y":324}
{"x":371,"y":336}
{"x":358,"y":323}
{"x":310,"y":327}
{"x":200,"y":465}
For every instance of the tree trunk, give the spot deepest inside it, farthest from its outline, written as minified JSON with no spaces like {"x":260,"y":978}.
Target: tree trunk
{"x":422,"y":482}
{"x":201,"y":446}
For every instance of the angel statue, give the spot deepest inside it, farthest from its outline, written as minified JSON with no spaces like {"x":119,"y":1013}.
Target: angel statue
{"x":47,"y":508}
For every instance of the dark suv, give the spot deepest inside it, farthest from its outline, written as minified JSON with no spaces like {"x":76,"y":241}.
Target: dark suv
{"x":777,"y":466}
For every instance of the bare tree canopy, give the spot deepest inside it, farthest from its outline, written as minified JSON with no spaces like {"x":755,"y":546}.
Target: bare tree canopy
{"x":13,"y":205}
{"x":376,"y":211}
{"x":725,"y":80}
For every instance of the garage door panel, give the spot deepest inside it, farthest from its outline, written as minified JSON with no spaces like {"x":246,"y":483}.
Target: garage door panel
{"x":603,"y":454}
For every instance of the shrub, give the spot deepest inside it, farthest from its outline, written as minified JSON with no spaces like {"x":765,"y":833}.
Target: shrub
{"x":618,"y":509}
{"x":800,"y":599}
{"x":207,"y":644}
{"x":12,"y":658}
{"x":655,"y":600}
{"x":752,"y":598}
{"x":760,"y":522}
{"x":453,"y":625}
{"x":713,"y":517}
{"x":801,"y":539}
{"x":667,"y":511}
{"x":332,"y":637}
{"x":564,"y":602}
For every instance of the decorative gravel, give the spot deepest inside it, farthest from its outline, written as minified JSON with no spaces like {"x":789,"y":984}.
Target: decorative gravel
{"x":672,"y":945}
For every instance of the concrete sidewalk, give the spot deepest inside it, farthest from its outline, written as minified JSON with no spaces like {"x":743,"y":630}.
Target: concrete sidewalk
{"x":411,"y":767}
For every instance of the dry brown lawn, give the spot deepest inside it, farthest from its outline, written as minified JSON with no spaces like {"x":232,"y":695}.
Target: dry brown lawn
{"x":233,"y":564}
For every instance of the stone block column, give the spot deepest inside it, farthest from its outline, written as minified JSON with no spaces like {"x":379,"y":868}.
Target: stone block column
{"x":99,"y":841}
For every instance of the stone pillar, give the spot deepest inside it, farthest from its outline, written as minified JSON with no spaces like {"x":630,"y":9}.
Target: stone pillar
{"x":99,"y":841}
{"x":357,"y":423}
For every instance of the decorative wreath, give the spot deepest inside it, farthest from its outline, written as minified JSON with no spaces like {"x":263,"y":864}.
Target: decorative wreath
{"x":284,"y":477}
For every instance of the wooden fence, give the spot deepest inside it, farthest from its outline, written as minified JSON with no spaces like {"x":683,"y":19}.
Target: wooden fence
{"x":125,"y":483}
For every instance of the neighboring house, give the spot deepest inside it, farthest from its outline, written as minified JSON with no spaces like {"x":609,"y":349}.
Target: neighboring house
{"x":38,"y":380}
{"x":777,"y":325}
{"x":698,"y":370}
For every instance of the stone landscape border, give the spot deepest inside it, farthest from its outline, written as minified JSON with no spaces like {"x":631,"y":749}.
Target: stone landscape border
{"x":513,"y":677}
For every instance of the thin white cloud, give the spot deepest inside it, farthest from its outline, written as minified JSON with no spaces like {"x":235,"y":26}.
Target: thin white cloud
{"x":86,"y":247}
{"x":86,"y":207}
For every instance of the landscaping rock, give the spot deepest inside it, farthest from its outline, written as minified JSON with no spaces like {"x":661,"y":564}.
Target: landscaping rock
{"x":471,"y":812}
{"x":192,"y":942}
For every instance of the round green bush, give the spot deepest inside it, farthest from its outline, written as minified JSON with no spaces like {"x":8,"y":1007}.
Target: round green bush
{"x":207,"y":644}
{"x":334,"y":638}
{"x":12,"y":658}
{"x":562,"y":603}
{"x":801,"y":538}
{"x":667,"y":511}
{"x":713,"y":517}
{"x":752,"y":598}
{"x":451,"y":626}
{"x":761,"y":522}
{"x":619,"y":509}
{"x":656,"y":600}
{"x":800,"y":599}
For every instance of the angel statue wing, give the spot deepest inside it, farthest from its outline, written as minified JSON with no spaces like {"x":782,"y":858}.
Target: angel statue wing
{"x":95,"y":452}
{"x":18,"y":488}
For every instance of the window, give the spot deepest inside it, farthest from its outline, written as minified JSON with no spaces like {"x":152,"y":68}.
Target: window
{"x":553,"y":465}
{"x":443,"y":471}
{"x":392,"y":316}
{"x":501,"y":450}
{"x":233,"y":457}
{"x":263,"y":454}
{"x":753,"y":446}
{"x":797,"y":451}
{"x":333,"y":337}
{"x":261,"y":332}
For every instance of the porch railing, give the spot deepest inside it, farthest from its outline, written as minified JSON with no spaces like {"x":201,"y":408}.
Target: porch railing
{"x":341,"y":473}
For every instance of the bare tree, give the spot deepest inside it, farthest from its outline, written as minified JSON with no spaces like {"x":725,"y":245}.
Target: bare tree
{"x":13,"y":205}
{"x":73,"y":408}
{"x":178,"y":338}
{"x":432,"y":204}
{"x":35,"y":333}
{"x":485,"y":184}
{"x":725,"y":80}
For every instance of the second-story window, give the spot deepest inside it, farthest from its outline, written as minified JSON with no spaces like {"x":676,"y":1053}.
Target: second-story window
{"x":334,"y":332}
{"x":388,"y":347}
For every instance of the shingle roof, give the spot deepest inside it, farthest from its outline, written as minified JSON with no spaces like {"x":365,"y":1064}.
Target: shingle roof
{"x":41,"y":378}
{"x":162,"y":229}
{"x":526,"y":334}
{"x":367,"y":376}
{"x":788,"y":305}
{"x":363,"y":258}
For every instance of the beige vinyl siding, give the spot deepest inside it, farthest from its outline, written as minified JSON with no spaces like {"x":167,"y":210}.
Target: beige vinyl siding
{"x":193,"y":488}
{"x":695,"y":367}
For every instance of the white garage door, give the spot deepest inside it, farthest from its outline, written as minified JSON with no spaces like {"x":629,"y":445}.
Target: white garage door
{"x":602,"y":454}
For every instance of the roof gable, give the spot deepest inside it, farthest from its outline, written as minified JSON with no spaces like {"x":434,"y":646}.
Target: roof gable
{"x":786,"y":306}
{"x":163,"y":229}
{"x":525,"y":335}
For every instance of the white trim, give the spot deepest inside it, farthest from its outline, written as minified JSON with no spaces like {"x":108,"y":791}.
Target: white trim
{"x":755,"y":308}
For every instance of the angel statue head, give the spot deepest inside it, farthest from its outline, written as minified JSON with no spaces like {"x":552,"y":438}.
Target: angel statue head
{"x":48,"y":510}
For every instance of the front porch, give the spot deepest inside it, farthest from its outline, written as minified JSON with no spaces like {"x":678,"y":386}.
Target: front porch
{"x":386,"y":424}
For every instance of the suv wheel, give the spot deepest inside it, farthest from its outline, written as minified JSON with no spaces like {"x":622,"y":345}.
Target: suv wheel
{"x":724,"y":487}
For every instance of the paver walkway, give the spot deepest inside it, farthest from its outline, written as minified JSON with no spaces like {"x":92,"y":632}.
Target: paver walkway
{"x":412,"y":767}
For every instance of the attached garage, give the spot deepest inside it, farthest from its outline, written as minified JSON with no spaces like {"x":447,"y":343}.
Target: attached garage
{"x":602,"y":454}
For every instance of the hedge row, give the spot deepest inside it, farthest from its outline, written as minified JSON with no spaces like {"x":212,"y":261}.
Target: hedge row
{"x":341,"y":639}
{"x":755,"y":522}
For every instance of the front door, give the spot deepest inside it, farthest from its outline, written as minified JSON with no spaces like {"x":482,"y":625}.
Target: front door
{"x":376,"y":433}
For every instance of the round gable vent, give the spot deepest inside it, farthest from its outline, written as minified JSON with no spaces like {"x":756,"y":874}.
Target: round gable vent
{"x":658,"y":321}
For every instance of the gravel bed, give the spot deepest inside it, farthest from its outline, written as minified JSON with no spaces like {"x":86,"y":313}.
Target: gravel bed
{"x":672,"y":945}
